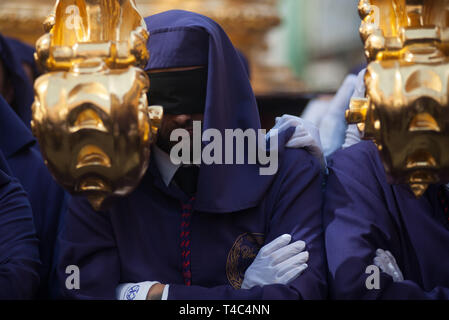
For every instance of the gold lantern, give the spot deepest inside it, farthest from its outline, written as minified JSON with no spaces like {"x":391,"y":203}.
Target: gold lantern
{"x":90,"y":113}
{"x":405,"y":110}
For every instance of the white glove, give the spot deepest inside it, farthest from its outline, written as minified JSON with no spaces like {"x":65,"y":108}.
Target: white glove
{"x":387,"y":263}
{"x":306,"y":135}
{"x":277,"y":263}
{"x":137,"y":291}
{"x":316,"y":109}
{"x":333,"y":125}
{"x":353,"y":135}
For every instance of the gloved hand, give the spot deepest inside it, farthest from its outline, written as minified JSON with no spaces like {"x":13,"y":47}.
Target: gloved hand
{"x":387,"y":263}
{"x":278,"y":262}
{"x":306,"y":135}
{"x":353,"y":135}
{"x":333,"y":124}
{"x":316,"y":109}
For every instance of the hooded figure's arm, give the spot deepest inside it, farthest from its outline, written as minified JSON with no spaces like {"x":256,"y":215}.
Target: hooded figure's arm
{"x":19,"y":254}
{"x":295,"y":210}
{"x":88,"y":265}
{"x":357,"y":223}
{"x":48,"y":202}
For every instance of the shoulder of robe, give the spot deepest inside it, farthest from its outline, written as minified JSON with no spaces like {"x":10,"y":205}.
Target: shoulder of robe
{"x":294,"y":162}
{"x":360,"y":166}
{"x":357,"y":181}
{"x":362,"y":156}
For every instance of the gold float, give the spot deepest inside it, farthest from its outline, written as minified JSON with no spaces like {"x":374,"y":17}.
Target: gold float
{"x":247,"y":22}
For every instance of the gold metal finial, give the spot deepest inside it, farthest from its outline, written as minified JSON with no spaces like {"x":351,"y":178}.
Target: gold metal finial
{"x":418,"y":189}
{"x":156,"y":113}
{"x":357,"y":110}
{"x":420,"y":180}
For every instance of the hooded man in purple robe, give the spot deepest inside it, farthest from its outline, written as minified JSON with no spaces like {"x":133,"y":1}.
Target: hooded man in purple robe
{"x":381,"y":241}
{"x":201,"y":231}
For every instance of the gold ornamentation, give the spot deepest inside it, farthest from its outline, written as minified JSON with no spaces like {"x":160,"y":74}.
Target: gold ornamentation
{"x":241,"y":255}
{"x":82,"y":29}
{"x":407,"y":83}
{"x":90,"y":114}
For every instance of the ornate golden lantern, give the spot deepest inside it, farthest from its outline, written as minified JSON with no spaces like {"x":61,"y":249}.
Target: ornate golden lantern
{"x":405,"y":110}
{"x":90,"y":113}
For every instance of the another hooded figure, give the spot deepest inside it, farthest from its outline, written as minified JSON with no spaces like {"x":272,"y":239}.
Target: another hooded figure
{"x":25,"y":54}
{"x":201,"y":230}
{"x":47,"y":199}
{"x":19,"y":254}
{"x":381,"y":241}
{"x":15,"y":86}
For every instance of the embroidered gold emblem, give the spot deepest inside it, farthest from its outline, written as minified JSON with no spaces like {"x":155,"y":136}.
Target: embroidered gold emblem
{"x":241,"y":255}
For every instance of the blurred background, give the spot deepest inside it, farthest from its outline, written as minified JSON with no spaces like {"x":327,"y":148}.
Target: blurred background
{"x":296,"y":49}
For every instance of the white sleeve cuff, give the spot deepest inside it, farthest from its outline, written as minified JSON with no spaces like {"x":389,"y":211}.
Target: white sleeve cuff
{"x":134,"y":291}
{"x":165,"y":293}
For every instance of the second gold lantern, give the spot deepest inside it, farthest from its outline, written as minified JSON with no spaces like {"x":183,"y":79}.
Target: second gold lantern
{"x":90,"y":114}
{"x":407,"y":88}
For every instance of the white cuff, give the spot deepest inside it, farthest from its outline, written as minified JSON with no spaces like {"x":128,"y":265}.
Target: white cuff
{"x":165,"y":293}
{"x":134,"y":291}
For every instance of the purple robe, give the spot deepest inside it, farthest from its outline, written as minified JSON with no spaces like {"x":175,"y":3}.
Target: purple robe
{"x":138,"y":239}
{"x":19,"y":251}
{"x":23,"y":90}
{"x":362,"y":213}
{"x":47,"y":198}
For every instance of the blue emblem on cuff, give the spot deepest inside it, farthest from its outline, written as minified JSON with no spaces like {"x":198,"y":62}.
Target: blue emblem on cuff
{"x":131,"y":293}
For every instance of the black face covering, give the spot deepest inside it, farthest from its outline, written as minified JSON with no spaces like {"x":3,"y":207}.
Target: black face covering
{"x":179,"y":92}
